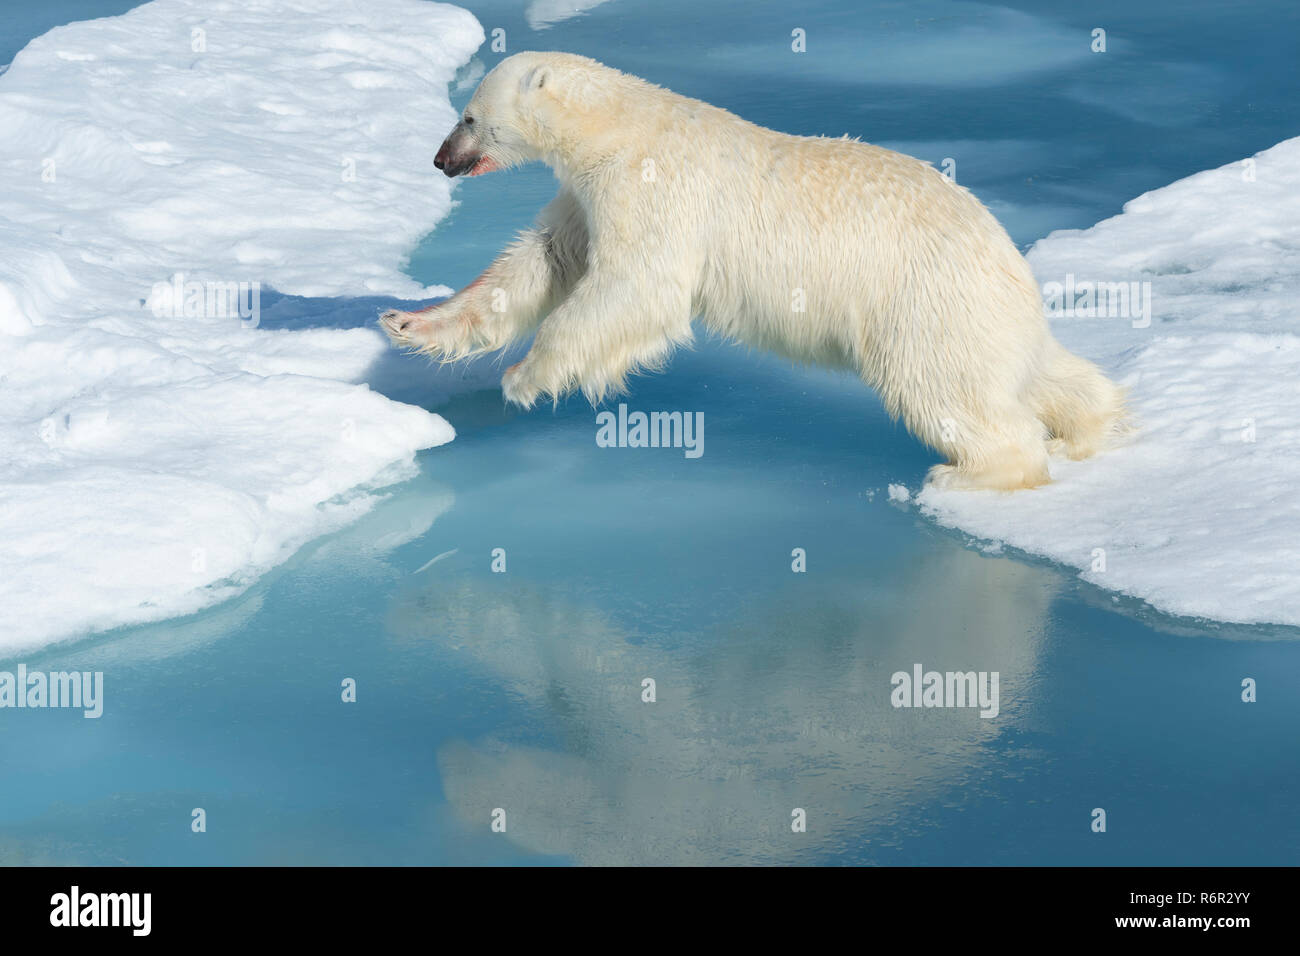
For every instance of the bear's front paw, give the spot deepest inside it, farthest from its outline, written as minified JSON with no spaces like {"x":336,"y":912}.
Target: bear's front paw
{"x":518,"y":387}
{"x":438,"y":332}
{"x":401,"y":327}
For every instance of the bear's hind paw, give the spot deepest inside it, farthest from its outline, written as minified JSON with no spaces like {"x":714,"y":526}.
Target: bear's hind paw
{"x":1007,"y":476}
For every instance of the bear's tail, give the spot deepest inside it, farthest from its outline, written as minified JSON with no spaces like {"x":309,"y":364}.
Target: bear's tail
{"x":1083,"y":410}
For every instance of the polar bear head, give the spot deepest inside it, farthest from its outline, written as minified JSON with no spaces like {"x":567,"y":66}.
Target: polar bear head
{"x":531,"y":106}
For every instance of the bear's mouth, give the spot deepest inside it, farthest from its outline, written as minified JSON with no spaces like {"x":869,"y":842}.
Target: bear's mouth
{"x":471,"y":165}
{"x":459,"y":155}
{"x":485,"y":164}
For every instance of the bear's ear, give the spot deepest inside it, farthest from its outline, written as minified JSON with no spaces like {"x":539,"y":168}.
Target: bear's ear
{"x":535,"y":79}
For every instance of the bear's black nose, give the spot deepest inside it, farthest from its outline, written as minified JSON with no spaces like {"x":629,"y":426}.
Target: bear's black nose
{"x":444,"y":154}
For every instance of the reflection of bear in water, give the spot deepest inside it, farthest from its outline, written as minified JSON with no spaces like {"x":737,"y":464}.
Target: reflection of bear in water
{"x":828,"y":251}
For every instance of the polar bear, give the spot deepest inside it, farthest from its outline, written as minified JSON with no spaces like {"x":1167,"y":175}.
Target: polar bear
{"x":827,"y":251}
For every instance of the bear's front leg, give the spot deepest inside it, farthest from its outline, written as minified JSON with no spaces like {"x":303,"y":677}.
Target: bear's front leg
{"x":415,"y":330}
{"x":448,"y":330}
{"x":506,"y":302}
{"x":608,"y":328}
{"x":520,"y":387}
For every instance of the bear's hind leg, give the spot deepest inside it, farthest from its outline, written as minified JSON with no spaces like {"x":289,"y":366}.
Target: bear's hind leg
{"x":1083,"y":409}
{"x":1007,"y":456}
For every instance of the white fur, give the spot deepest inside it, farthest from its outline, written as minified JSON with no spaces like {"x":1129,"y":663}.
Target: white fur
{"x":671,"y":209}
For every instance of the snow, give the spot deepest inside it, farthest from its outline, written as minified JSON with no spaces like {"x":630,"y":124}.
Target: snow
{"x":159,"y":459}
{"x":1198,"y":515}
{"x":899,"y":493}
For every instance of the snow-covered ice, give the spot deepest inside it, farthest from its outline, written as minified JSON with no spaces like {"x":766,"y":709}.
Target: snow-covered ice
{"x":157,"y":461}
{"x":1199,"y":515}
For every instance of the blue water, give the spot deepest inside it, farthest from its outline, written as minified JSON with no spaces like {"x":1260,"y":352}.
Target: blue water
{"x":522,"y":690}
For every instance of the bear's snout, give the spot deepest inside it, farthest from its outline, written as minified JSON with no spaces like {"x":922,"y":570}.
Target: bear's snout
{"x":457,"y":154}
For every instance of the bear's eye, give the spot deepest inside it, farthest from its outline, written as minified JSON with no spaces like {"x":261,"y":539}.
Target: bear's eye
{"x":469,"y":120}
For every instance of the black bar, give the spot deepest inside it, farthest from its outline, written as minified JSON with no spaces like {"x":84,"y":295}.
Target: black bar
{"x":333,"y":905}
